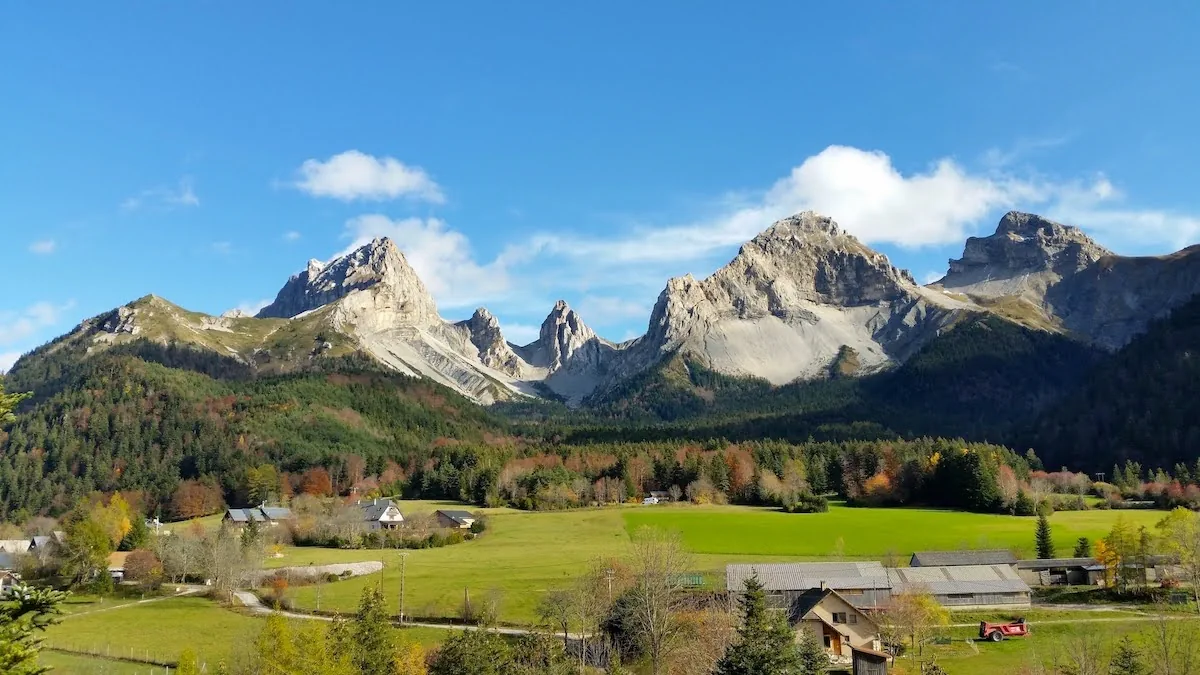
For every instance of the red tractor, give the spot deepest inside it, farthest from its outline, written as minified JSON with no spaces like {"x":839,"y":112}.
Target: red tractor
{"x":999,"y":631}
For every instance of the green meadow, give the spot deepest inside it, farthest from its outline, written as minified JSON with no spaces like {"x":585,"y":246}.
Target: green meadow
{"x":524,"y":554}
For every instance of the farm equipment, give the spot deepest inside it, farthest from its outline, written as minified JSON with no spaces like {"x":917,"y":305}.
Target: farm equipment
{"x":1000,"y":631}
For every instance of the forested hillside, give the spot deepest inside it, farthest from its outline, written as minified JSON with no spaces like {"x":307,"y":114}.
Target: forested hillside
{"x":146,"y":417}
{"x":1141,"y":404}
{"x":191,"y":429}
{"x":986,"y":379}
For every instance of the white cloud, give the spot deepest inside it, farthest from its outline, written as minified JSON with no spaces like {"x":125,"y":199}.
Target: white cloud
{"x":252,"y":307}
{"x":164,"y":198}
{"x":931,"y":277}
{"x":44,"y":246}
{"x":873,"y":200}
{"x":441,"y":257}
{"x":355,"y":175}
{"x":291,"y":236}
{"x":221,"y":247}
{"x":519,"y":333}
{"x":607,"y":309}
{"x":861,"y":190}
{"x":23,"y":328}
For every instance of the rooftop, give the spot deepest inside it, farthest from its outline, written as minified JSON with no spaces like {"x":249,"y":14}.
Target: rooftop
{"x":1055,"y":562}
{"x":981,"y":557}
{"x":957,"y":579}
{"x":803,"y":576}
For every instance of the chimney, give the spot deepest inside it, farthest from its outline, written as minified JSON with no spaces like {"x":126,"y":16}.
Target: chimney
{"x":824,"y":586}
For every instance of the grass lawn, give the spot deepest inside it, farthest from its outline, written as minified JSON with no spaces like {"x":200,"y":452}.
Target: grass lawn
{"x":866,"y":533}
{"x":159,"y":630}
{"x":523,"y":554}
{"x":87,"y":665}
{"x":162,"y":630}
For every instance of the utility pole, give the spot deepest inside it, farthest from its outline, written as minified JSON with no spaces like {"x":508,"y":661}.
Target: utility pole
{"x":319,"y":575}
{"x":403,"y":561}
{"x":608,"y":576}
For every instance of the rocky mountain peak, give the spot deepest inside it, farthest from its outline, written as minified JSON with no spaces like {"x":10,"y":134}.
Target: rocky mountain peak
{"x":378,"y":265}
{"x":487,"y":337}
{"x":1023,"y":244}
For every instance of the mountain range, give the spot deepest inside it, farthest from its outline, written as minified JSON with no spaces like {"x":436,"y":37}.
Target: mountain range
{"x":798,"y":302}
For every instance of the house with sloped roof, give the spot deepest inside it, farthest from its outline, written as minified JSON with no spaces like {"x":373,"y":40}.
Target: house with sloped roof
{"x":865,"y":585}
{"x":459,"y":520}
{"x":46,"y":542}
{"x":381,"y":514}
{"x":266,"y":515}
{"x":965,"y":586}
{"x":996,"y":556}
{"x":839,"y":625}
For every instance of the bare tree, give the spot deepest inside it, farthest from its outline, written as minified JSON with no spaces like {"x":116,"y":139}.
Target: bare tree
{"x":914,"y":615}
{"x":660,"y":564}
{"x":555,"y":609}
{"x":1081,"y":655}
{"x":1172,"y":645}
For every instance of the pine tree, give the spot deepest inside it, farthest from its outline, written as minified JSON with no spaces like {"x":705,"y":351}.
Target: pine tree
{"x":373,"y":649}
{"x":1126,"y":660}
{"x":1083,"y":548}
{"x":813,"y":659}
{"x":765,"y":643}
{"x":1045,"y":543}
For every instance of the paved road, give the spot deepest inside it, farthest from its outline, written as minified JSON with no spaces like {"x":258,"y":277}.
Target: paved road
{"x":251,"y":602}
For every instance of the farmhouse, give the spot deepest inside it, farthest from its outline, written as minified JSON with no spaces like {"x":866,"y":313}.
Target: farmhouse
{"x":270,"y":515}
{"x":14,"y":546}
{"x":954,"y":558}
{"x":455,"y":519}
{"x":46,"y":542}
{"x":7,"y":581}
{"x":839,"y":625}
{"x":116,"y":565}
{"x":965,"y":586}
{"x":864,"y":585}
{"x":661,"y":495}
{"x":1061,"y":572}
{"x":381,"y":514}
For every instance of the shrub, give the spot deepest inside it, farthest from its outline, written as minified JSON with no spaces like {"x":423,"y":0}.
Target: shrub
{"x":805,"y":502}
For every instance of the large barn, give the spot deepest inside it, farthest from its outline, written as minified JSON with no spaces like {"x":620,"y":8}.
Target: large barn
{"x":965,"y":586}
{"x":863,"y":584}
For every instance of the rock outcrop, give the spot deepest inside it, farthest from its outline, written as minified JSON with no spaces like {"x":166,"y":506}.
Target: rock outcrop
{"x":1073,"y":282}
{"x":378,"y":266}
{"x":790,"y":300}
{"x":494,"y":351}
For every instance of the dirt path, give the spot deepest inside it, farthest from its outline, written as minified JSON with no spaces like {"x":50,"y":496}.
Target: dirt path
{"x":179,"y":594}
{"x":252,"y":603}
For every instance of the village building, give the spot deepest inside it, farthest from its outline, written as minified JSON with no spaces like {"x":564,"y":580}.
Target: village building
{"x":864,"y":585}
{"x":839,"y":625}
{"x":965,"y":586}
{"x":956,"y":558}
{"x":46,"y":542}
{"x":1061,"y":572}
{"x":869,"y":661}
{"x":661,"y":496}
{"x":267,"y":515}
{"x":116,"y":565}
{"x":460,"y":520}
{"x":381,"y":514}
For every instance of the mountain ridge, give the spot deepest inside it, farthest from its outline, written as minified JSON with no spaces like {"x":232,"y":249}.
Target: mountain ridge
{"x":801,"y":300}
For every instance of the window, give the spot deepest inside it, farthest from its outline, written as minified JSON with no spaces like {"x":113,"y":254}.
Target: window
{"x":961,"y":596}
{"x":852,"y":619}
{"x":828,"y":644}
{"x":839,"y":617}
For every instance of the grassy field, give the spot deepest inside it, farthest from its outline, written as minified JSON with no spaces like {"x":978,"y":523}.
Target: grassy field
{"x":87,"y":665}
{"x":866,"y":533}
{"x":524,"y":554}
{"x":160,"y":631}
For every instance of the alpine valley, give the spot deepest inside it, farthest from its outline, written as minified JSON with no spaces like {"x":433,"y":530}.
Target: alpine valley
{"x":1035,"y":337}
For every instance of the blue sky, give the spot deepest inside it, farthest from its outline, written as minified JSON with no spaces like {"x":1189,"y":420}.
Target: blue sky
{"x":532,"y":151}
